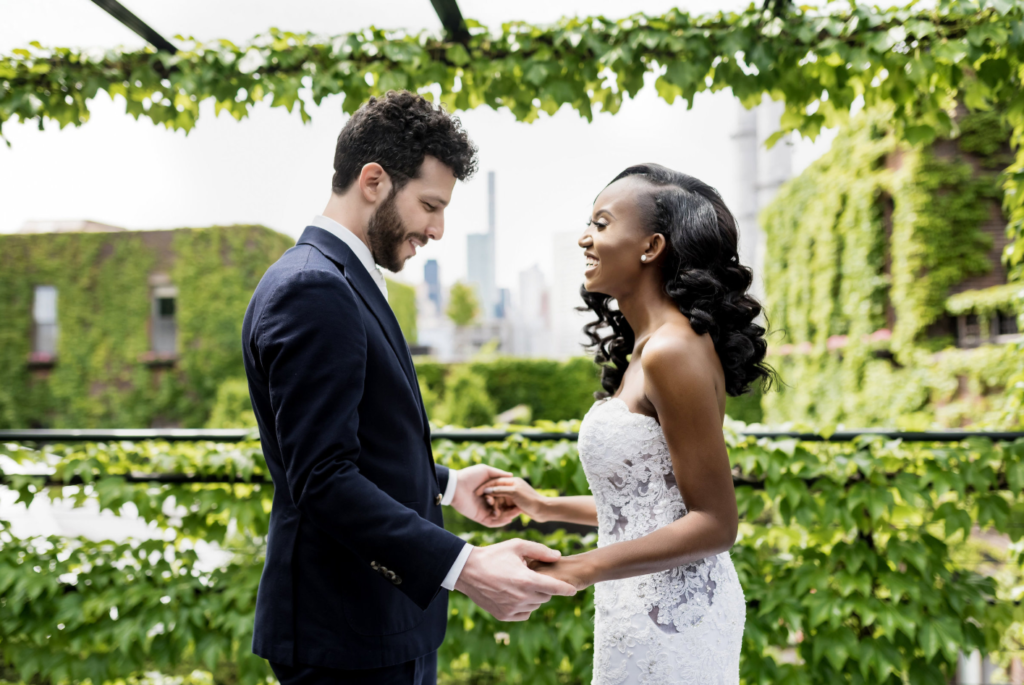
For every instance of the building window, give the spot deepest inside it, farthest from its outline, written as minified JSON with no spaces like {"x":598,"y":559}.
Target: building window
{"x":973,"y":330}
{"x":969,"y":331}
{"x":165,"y":328}
{"x":44,"y":316}
{"x":1005,"y":324}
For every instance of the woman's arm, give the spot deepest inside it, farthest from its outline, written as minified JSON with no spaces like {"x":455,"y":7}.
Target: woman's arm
{"x":508,"y":492}
{"x":680,"y":382}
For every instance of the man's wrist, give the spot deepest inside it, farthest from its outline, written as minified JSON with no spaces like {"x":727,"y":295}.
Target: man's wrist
{"x":455,"y":573}
{"x":449,"y":490}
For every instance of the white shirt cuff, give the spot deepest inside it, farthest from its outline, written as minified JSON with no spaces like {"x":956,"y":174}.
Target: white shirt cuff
{"x":453,"y":574}
{"x":449,"y":491}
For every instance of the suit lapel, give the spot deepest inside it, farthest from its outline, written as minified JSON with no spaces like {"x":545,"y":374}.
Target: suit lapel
{"x":340,"y":253}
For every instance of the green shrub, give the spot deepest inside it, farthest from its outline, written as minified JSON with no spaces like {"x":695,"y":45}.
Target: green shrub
{"x":465,"y":402}
{"x":233,"y":406}
{"x":429,"y":398}
{"x":745,"y":408}
{"x":852,"y":558}
{"x":402,"y":298}
{"x":554,"y":390}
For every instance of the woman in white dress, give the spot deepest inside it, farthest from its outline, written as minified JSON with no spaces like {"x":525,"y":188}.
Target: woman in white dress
{"x":669,"y":607}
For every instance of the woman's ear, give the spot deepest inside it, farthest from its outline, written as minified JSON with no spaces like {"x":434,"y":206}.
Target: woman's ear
{"x":655,"y":246}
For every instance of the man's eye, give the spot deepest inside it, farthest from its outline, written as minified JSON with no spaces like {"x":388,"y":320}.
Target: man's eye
{"x":430,"y":207}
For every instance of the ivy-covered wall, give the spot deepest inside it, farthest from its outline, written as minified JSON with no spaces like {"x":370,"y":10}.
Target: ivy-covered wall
{"x":864,"y":250}
{"x":104,"y":304}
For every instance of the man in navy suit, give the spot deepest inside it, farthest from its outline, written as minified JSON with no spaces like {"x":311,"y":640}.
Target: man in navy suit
{"x":358,"y":567}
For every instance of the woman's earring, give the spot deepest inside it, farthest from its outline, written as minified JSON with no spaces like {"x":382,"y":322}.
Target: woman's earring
{"x":643,"y":258}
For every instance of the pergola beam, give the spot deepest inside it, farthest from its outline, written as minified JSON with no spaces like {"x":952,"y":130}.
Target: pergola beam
{"x":451,"y":18}
{"x":125,"y":16}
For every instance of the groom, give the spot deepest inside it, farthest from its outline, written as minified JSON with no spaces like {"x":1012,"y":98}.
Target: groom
{"x":358,"y":566}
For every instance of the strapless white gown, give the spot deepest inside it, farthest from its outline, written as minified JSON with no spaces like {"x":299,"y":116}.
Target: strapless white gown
{"x":683,"y":626}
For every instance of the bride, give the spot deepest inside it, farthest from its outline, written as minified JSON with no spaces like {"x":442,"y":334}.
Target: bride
{"x":669,"y":607}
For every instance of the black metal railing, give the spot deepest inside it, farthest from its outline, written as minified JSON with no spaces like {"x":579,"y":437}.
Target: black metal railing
{"x":49,"y":436}
{"x":53,"y":436}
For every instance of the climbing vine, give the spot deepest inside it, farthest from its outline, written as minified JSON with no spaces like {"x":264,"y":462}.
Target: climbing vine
{"x":854,"y":558}
{"x":848,"y":294}
{"x":101,"y":376}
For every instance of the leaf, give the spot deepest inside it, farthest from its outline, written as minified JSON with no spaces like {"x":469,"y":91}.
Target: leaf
{"x":921,"y":134}
{"x":457,"y":55}
{"x":929,"y":639}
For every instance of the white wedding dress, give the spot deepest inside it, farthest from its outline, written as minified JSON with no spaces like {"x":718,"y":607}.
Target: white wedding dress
{"x":682,"y":626}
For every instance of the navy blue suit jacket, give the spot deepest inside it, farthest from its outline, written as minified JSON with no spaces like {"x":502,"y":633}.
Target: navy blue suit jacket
{"x":357,"y":550}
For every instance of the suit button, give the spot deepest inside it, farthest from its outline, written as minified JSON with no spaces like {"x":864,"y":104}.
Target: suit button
{"x":396,"y":580}
{"x":374,"y":565}
{"x":437,"y":500}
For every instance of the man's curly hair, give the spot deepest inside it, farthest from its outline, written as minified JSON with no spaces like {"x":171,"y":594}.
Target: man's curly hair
{"x":397,"y":131}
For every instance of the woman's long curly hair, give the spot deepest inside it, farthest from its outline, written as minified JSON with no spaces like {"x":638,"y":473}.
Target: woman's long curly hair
{"x":703,"y":276}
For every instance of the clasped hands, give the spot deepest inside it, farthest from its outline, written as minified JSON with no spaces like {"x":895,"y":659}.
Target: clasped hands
{"x":511,"y":579}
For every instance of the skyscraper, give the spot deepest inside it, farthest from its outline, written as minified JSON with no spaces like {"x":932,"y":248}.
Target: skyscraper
{"x":532,"y":336}
{"x":480,"y":259}
{"x":566,"y":322}
{"x":760,"y":173}
{"x":432,"y":277}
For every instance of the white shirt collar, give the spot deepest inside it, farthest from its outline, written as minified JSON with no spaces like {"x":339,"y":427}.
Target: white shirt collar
{"x":356,"y":245}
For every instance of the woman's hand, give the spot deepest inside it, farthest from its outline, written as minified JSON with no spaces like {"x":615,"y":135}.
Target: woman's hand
{"x":508,"y":492}
{"x":575,"y":570}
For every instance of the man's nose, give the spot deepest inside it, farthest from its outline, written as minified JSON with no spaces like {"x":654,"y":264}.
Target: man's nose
{"x":435,"y":231}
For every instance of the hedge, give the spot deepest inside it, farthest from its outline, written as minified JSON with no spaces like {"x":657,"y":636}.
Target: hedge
{"x":854,"y":557}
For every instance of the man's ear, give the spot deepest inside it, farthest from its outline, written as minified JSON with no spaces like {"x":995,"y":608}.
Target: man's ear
{"x":374,"y":183}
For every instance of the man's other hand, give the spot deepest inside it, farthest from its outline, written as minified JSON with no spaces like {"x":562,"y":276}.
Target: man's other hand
{"x":476,"y":507}
{"x":497,"y":578}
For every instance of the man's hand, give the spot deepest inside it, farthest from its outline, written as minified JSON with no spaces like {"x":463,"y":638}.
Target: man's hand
{"x":476,"y":507}
{"x":498,"y":580}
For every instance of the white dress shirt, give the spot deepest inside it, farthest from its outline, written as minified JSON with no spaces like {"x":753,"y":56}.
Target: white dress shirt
{"x":366,"y":259}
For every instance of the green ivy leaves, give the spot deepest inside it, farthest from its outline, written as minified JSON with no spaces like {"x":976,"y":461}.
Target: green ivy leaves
{"x":845,"y":556}
{"x":917,"y":59}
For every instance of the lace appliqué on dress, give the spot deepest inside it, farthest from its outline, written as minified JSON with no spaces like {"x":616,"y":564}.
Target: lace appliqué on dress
{"x":681,"y":626}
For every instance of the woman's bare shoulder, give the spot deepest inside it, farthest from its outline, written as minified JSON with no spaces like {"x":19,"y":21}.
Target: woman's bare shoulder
{"x":675,"y":344}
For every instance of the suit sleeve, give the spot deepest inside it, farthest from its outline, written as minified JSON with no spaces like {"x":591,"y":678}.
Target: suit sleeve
{"x":442,"y":476}
{"x":312,"y":346}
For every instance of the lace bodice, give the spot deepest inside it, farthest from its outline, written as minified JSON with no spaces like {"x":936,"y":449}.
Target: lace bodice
{"x":684,"y":625}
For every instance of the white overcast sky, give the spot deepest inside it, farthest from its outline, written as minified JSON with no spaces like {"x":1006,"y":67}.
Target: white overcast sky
{"x":274,"y":170}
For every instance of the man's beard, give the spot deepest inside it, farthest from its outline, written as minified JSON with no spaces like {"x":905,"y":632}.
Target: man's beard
{"x":387,"y":233}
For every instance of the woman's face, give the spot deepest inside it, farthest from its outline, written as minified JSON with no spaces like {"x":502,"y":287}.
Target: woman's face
{"x":615,"y":240}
